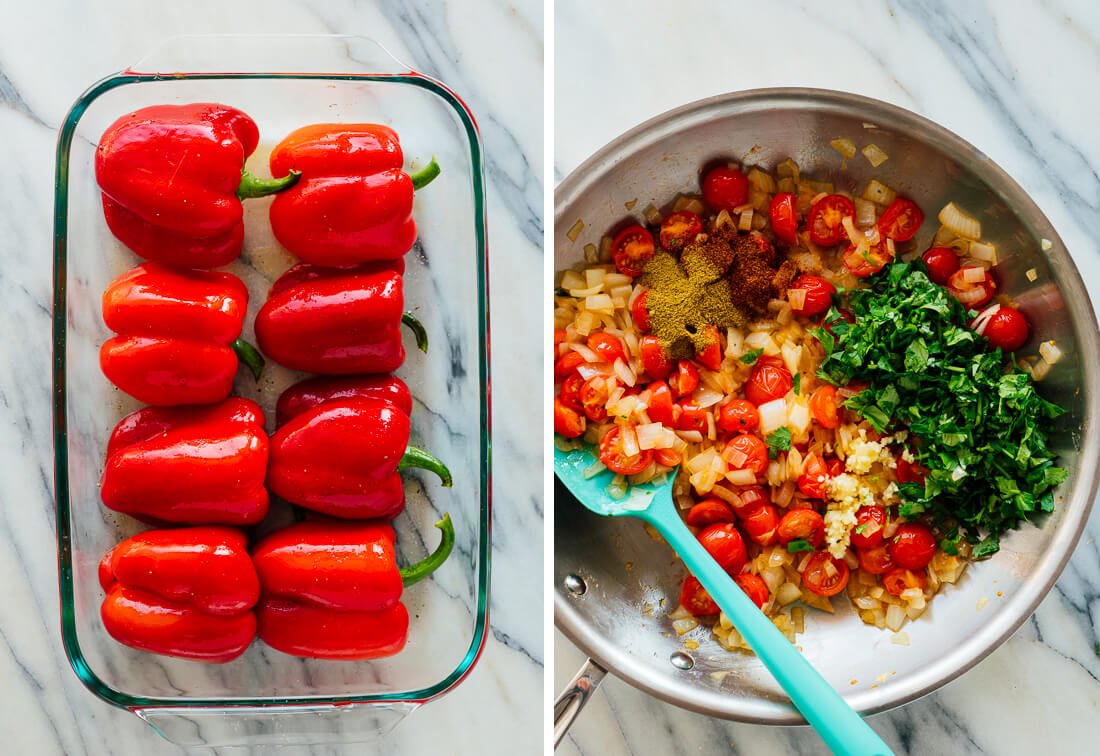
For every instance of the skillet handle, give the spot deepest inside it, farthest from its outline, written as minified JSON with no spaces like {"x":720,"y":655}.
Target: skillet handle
{"x":575,"y":696}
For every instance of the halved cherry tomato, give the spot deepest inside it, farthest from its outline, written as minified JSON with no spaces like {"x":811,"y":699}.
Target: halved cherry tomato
{"x":692,"y":417}
{"x":1006,"y":329}
{"x":567,"y":422}
{"x":568,"y":363}
{"x":912,"y":546}
{"x":607,"y":346}
{"x":752,"y":498}
{"x":694,"y":598}
{"x":594,"y":394}
{"x":660,"y":406}
{"x":972,"y":294}
{"x":708,"y":512}
{"x":746,"y":452}
{"x":725,"y":188}
{"x":783,"y":213}
{"x":802,"y":523}
{"x":617,"y":461}
{"x":827,"y":218}
{"x":866,"y":263}
{"x":909,"y":472}
{"x":640,"y":313}
{"x":867,"y":533}
{"x":823,"y":405}
{"x":668,"y":457}
{"x":834,"y":466}
{"x":876,"y":561}
{"x":899,"y":580}
{"x":941,"y":263}
{"x":755,"y":587}
{"x":768,"y":381}
{"x":818,"y":295}
{"x":711,"y":357}
{"x":570,"y":393}
{"x":738,"y":415}
{"x":680,"y":229}
{"x":760,"y":524}
{"x":814,"y":475}
{"x":723,"y":541}
{"x":901,"y":220}
{"x":632,"y":248}
{"x":820,"y":579}
{"x":686,"y":379}
{"x":654,"y":358}
{"x":559,"y":337}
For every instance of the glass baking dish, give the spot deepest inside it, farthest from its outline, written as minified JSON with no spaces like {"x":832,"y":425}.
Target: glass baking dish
{"x":265,"y":696}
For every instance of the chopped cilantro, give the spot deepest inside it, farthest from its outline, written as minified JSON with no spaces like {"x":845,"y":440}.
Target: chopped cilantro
{"x":779,"y":440}
{"x":797,"y":383}
{"x":749,"y":358}
{"x":799,"y":544}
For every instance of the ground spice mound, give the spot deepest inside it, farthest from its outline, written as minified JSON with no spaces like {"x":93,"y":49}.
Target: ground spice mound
{"x":723,"y":278}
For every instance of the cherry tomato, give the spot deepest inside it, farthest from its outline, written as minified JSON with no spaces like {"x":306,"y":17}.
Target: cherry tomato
{"x":768,"y":381}
{"x":711,"y":357}
{"x":617,"y":461}
{"x":559,"y":337}
{"x":694,"y":598}
{"x":632,"y":249}
{"x":660,"y":406}
{"x":834,"y":466}
{"x":941,"y":263}
{"x":594,"y":394}
{"x":862,"y":265}
{"x":668,"y":457}
{"x":823,"y":405}
{"x":818,"y":295}
{"x":723,"y":541}
{"x":972,"y":295}
{"x":867,"y":533}
{"x":912,"y":546}
{"x":899,"y":580}
{"x":708,"y":512}
{"x":820,"y":579}
{"x":755,"y":587}
{"x":738,"y":415}
{"x":654,"y":358}
{"x":692,"y":417}
{"x":901,"y":220}
{"x":570,"y":393}
{"x":826,"y":221}
{"x":680,"y":229}
{"x":746,"y":452}
{"x":686,"y":379}
{"x":640,"y":313}
{"x":760,"y":524}
{"x":725,"y":188}
{"x":814,"y":475}
{"x":1006,"y":329}
{"x":802,"y":523}
{"x":909,"y":472}
{"x":752,"y":498}
{"x":566,"y":364}
{"x":876,"y":561}
{"x":607,"y":346}
{"x":567,"y":422}
{"x":783,"y":213}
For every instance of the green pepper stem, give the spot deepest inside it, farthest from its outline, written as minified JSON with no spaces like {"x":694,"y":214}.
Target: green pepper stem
{"x":425,"y":175}
{"x":254,"y":186}
{"x":414,"y":573}
{"x":418,"y":330}
{"x":250,"y":356}
{"x":414,"y":457}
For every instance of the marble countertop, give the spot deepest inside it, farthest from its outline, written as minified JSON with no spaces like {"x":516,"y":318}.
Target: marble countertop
{"x":52,"y":51}
{"x":994,"y":73}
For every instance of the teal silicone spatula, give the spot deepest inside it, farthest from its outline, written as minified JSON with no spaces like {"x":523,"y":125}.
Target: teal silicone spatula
{"x":840,"y":727}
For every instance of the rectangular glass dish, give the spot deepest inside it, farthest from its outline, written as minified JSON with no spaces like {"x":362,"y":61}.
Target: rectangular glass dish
{"x":266,"y":696}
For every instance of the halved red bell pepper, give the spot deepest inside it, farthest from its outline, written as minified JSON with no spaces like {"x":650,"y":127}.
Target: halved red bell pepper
{"x":332,"y":590}
{"x":342,"y":458}
{"x":307,"y":394}
{"x":337,"y":322}
{"x":354,"y":202}
{"x":187,"y":592}
{"x":179,"y":334}
{"x":189,"y":465}
{"x":173,"y":179}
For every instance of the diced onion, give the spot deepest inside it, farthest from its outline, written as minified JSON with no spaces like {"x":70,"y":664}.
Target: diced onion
{"x":682,"y":626}
{"x":726,"y":495}
{"x":592,"y":369}
{"x":797,"y":298}
{"x":741,"y":477}
{"x":787,"y":593}
{"x":744,"y":222}
{"x":629,"y":440}
{"x":845,"y":147}
{"x":735,"y":342}
{"x":571,"y":279}
{"x":799,"y":417}
{"x":705,"y":397}
{"x":600,"y":303}
{"x":875,"y":155}
{"x":983,"y":319}
{"x":786,"y":493}
{"x":575,"y":230}
{"x":594,"y":469}
{"x":624,"y":372}
{"x":895,"y":617}
{"x":583,"y":350}
{"x":773,"y":415}
{"x":582,"y":293}
{"x":1032,"y":274}
{"x":954,"y":219}
{"x":984,"y":252}
{"x":974,"y":274}
{"x":865,"y":212}
{"x":1039,"y":370}
{"x":691,"y":436}
{"x":690,"y":204}
{"x":879,"y":193}
{"x":1050,"y":352}
{"x":855,"y":236}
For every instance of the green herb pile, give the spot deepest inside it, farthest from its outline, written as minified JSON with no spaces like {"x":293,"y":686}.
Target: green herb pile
{"x":981,"y":429}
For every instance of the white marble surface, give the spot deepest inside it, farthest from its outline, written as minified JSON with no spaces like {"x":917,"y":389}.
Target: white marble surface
{"x":995,"y":73}
{"x":49,"y":53}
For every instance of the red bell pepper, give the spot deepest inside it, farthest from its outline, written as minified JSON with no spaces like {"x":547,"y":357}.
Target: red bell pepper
{"x":342,"y":458}
{"x":354,"y":203}
{"x":332,"y":590}
{"x":179,"y":332}
{"x":307,"y":394}
{"x":173,"y":179}
{"x":337,"y":322}
{"x":189,"y":465}
{"x":187,"y":592}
